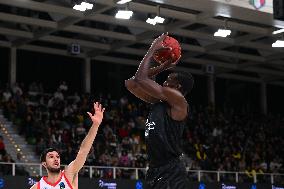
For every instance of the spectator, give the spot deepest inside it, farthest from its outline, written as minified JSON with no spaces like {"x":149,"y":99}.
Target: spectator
{"x":124,"y":160}
{"x":63,"y":87}
{"x":2,"y":147}
{"x":58,"y":95}
{"x":16,"y":89}
{"x":6,"y":95}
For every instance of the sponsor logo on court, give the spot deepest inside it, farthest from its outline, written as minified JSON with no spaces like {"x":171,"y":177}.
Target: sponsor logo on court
{"x":139,"y":185}
{"x":202,"y":186}
{"x":107,"y":185}
{"x":1,"y":183}
{"x":253,"y":186}
{"x":275,"y":187}
{"x":224,"y":186}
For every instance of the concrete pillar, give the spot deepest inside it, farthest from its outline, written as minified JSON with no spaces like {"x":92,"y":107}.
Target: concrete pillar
{"x":211,"y":89}
{"x":263,"y":98}
{"x":87,"y":75}
{"x":13,"y":66}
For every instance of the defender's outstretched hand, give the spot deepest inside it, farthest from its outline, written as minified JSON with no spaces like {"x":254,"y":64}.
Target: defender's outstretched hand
{"x":98,"y":115}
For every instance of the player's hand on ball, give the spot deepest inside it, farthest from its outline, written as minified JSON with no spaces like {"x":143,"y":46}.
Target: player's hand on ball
{"x":165,"y":48}
{"x":158,"y":43}
{"x":97,"y":117}
{"x":173,"y":61}
{"x":168,"y":64}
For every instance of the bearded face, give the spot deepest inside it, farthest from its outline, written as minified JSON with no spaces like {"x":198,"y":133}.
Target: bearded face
{"x":52,"y":162}
{"x":53,"y":170}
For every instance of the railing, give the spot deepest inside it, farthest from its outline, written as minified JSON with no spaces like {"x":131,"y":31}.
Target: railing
{"x":237,"y":177}
{"x":139,"y":173}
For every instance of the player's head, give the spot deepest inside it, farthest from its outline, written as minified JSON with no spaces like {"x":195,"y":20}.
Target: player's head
{"x":50,"y":159}
{"x":182,"y":81}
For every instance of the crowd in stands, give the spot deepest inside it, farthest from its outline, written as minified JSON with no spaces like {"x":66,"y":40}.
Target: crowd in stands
{"x":60,"y":120}
{"x":213,"y":140}
{"x":230,"y":141}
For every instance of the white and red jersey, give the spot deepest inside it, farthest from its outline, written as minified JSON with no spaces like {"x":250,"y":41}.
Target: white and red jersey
{"x":62,"y":183}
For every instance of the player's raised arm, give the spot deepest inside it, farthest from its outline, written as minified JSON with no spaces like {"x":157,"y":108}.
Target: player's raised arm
{"x":74,"y":167}
{"x":132,"y":85}
{"x":150,"y":87}
{"x":135,"y":89}
{"x":34,"y":186}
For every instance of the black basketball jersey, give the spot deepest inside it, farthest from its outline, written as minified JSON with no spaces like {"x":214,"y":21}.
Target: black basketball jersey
{"x":163,"y":136}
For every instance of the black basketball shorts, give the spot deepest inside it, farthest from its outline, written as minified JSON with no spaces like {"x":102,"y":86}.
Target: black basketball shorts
{"x":170,"y":176}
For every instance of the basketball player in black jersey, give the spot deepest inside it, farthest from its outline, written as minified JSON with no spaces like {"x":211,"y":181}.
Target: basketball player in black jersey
{"x":166,"y":120}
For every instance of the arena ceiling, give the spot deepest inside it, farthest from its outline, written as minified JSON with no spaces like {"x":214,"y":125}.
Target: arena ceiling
{"x":49,"y":26}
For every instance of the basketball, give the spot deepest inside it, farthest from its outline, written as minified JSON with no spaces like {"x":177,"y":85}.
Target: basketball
{"x":166,"y":54}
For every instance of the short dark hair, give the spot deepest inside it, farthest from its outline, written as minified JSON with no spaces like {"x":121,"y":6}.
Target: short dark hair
{"x":43,"y":154}
{"x":186,"y":81}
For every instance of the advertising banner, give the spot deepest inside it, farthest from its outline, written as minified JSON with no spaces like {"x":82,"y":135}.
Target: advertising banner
{"x":17,"y":182}
{"x":260,"y":5}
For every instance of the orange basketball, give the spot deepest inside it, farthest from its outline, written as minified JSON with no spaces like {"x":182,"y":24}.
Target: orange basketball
{"x":165,"y":54}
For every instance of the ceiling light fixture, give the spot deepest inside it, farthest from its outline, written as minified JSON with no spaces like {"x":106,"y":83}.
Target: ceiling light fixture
{"x":83,"y":6}
{"x":123,"y":1}
{"x":157,"y":20}
{"x":278,"y":43}
{"x":124,"y":14}
{"x":278,"y":31}
{"x":223,"y":32}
